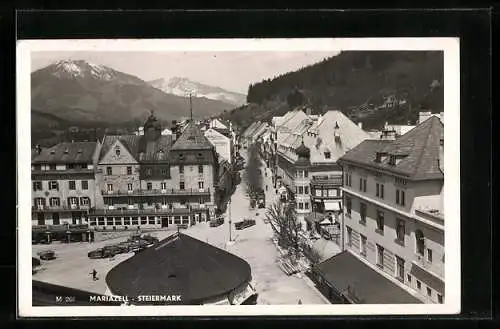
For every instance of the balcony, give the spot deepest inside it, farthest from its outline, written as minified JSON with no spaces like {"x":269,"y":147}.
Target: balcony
{"x":157,"y":211}
{"x":331,"y":180}
{"x":59,"y":208}
{"x":155,"y":192}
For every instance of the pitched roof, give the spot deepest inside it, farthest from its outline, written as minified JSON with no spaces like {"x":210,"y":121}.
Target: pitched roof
{"x":419,"y":149}
{"x":360,"y":283}
{"x":192,"y":139}
{"x":180,"y":265}
{"x":139,"y":144}
{"x":251,"y":129}
{"x":77,"y":152}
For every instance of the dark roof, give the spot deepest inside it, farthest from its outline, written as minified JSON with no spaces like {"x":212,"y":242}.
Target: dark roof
{"x":137,"y":144}
{"x":44,"y":294}
{"x":77,"y":152}
{"x":225,"y":132}
{"x":181,"y":265}
{"x":419,"y":148}
{"x":344,"y":272}
{"x":303,"y":151}
{"x":192,"y":139}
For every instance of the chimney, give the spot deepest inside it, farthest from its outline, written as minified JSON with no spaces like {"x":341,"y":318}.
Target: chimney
{"x":360,"y":125}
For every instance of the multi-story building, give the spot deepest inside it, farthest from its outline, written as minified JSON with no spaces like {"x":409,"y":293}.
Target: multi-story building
{"x":63,"y":182}
{"x":393,"y":214}
{"x":317,"y":187}
{"x":222,"y":143}
{"x":151,"y":180}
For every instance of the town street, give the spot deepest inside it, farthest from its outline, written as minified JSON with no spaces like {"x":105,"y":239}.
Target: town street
{"x":72,"y":267}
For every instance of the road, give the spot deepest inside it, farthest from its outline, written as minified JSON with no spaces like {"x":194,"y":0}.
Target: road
{"x":72,"y":267}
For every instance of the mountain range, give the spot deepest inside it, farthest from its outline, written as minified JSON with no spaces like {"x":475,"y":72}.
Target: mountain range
{"x":181,"y":86}
{"x":77,"y":91}
{"x":372,"y":87}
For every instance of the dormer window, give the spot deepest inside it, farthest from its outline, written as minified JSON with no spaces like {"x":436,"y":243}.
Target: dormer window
{"x":392,"y":160}
{"x":117,"y":152}
{"x":66,"y":151}
{"x":52,"y":152}
{"x":79,"y":151}
{"x":328,"y":155}
{"x":380,"y":157}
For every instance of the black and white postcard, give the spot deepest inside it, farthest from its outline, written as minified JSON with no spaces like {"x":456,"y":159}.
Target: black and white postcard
{"x":199,"y":177}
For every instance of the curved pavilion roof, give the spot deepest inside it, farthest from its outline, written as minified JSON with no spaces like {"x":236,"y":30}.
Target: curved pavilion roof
{"x":180,"y":265}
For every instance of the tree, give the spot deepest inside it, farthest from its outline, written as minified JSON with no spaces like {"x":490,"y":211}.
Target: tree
{"x":253,"y":176}
{"x":283,"y":220}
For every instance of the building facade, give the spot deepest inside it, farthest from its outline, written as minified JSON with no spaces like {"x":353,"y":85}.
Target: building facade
{"x":393,"y":214}
{"x":63,"y":183}
{"x":223,"y":144}
{"x":151,"y":180}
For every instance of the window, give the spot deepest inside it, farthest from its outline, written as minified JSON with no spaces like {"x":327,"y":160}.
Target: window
{"x":129,"y":187}
{"x":429,"y":255}
{"x":149,"y":171}
{"x":126,"y":221}
{"x":400,"y":197}
{"x":117,"y":152}
{"x":429,"y":292}
{"x":130,"y":202}
{"x":380,"y":221}
{"x":70,"y":166}
{"x":85,"y":166}
{"x":201,"y":185}
{"x":54,"y":202}
{"x":163,"y":186}
{"x":380,"y":256}
{"x":362,"y":249}
{"x":85,"y":201}
{"x":360,"y":184}
{"x":349,"y":236}
{"x":400,"y":231}
{"x":40,"y":201}
{"x":151,"y":221}
{"x":129,"y":170}
{"x":400,"y":267}
{"x":53,"y":185}
{"x":440,"y":299}
{"x":181,"y":185}
{"x":135,"y":221}
{"x":306,"y":173}
{"x":52,"y":167}
{"x":181,"y":169}
{"x":109,"y":171}
{"x":306,"y":205}
{"x":306,"y":190}
{"x":85,"y":185}
{"x":37,"y":186}
{"x":377,"y":187}
{"x":72,"y":185}
{"x":381,"y":191}
{"x":364,"y":185}
{"x":164,"y":172}
{"x":149,"y":186}
{"x":301,"y":190}
{"x":109,"y":221}
{"x":420,"y":242}
{"x":144,"y":220}
{"x":348,"y":178}
{"x":348,"y":206}
{"x":327,"y":155}
{"x":408,"y":278}
{"x":200,"y":169}
{"x":110,"y":187}
{"x":362,"y":213}
{"x":419,"y":285}
{"x":301,"y":205}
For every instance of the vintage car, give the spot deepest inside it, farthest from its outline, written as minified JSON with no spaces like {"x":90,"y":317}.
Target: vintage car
{"x":101,"y":253}
{"x":150,"y":239}
{"x":216,"y":222}
{"x":245,"y":223}
{"x":47,"y":255}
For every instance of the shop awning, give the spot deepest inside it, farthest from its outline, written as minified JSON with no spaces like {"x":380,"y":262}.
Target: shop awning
{"x":332,"y":205}
{"x":427,"y":278}
{"x":359,"y":283}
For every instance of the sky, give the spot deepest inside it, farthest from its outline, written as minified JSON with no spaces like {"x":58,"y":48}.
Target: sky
{"x":231,"y":70}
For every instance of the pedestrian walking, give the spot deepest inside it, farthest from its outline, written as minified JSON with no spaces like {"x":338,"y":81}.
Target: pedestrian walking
{"x":94,"y":274}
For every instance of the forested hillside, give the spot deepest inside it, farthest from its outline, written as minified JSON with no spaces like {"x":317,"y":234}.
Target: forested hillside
{"x":368,"y":86}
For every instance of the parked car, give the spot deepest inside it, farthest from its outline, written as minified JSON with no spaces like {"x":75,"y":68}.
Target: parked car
{"x":216,"y":222}
{"x":47,"y":255}
{"x":101,"y":253}
{"x":245,"y":223}
{"x":139,"y":244}
{"x":114,"y":249}
{"x":150,"y":239}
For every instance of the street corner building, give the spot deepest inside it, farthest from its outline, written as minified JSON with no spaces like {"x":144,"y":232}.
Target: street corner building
{"x":393,"y":214}
{"x":180,"y":265}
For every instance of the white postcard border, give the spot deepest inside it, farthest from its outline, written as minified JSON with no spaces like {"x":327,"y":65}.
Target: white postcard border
{"x":450,"y":46}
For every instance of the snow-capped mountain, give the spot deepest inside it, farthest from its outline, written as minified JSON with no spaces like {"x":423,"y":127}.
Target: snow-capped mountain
{"x":76,"y":90}
{"x":182,"y":86}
